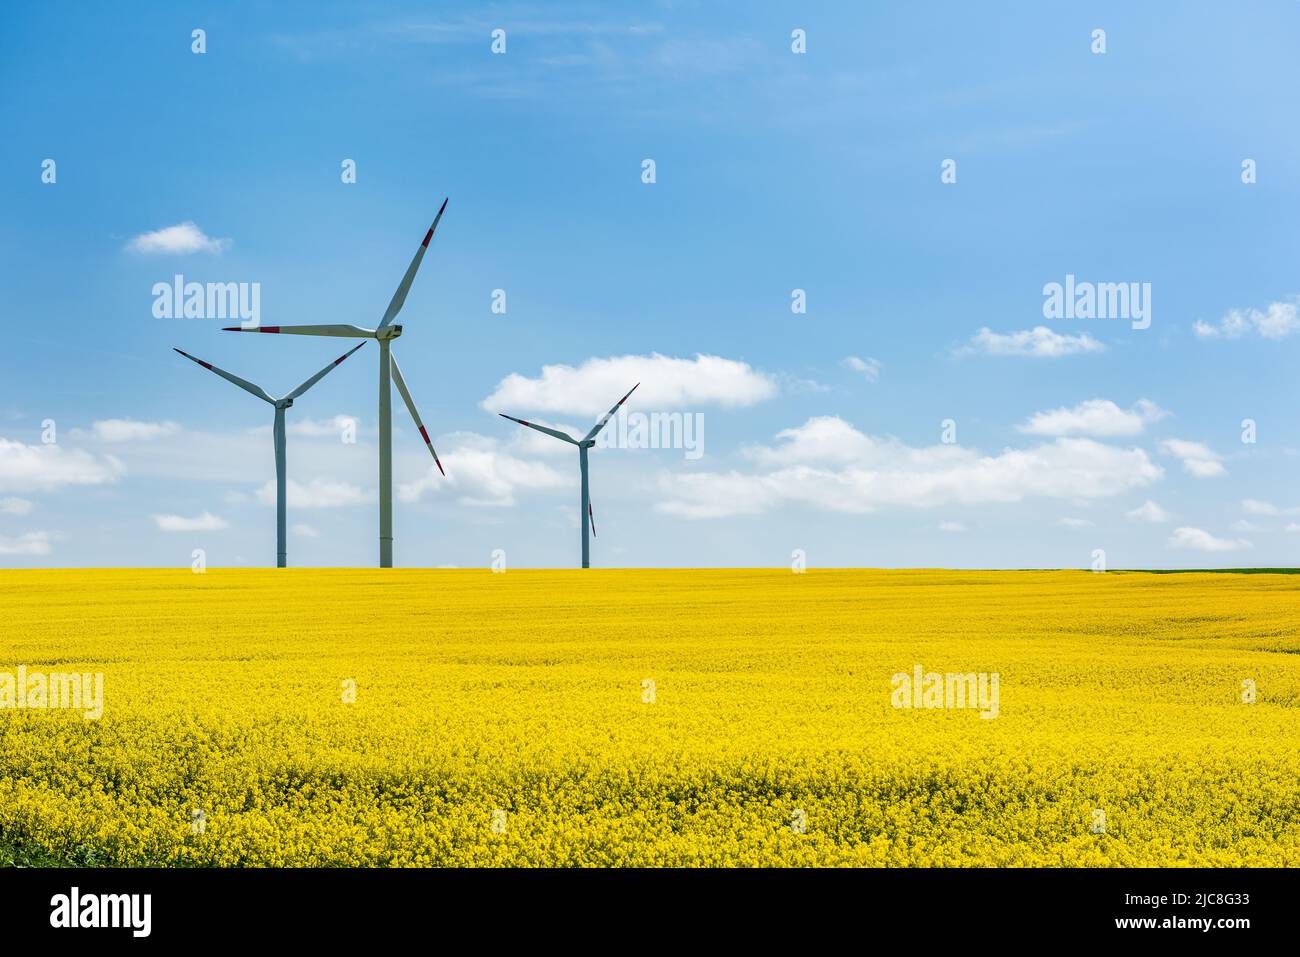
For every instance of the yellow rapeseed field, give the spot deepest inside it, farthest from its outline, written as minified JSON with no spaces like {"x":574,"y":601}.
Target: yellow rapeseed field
{"x":628,"y":717}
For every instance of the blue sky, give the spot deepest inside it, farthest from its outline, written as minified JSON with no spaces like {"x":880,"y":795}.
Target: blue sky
{"x":775,"y":171}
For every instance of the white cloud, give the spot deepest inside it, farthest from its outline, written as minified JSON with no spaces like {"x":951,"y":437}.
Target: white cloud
{"x":869,"y":368}
{"x":1074,"y":523}
{"x":1039,"y":342}
{"x":1198,"y":459}
{"x":1293,"y":526}
{"x":1277,"y":321}
{"x":666,"y":383}
{"x":306,"y":531}
{"x":207,"y":522}
{"x":481,"y":473}
{"x":1253,"y":506}
{"x":15,"y":506}
{"x":1149,"y":511}
{"x":1204,"y":468}
{"x":331,"y":428}
{"x":1202,"y":541}
{"x":181,"y":239}
{"x":1096,"y":417}
{"x":1241,"y":525}
{"x":828,"y":464}
{"x":131,"y":430}
{"x":951,"y":527}
{"x":25,"y":468}
{"x":824,"y":439}
{"x":192,"y":455}
{"x":318,"y":493}
{"x":29,"y":543}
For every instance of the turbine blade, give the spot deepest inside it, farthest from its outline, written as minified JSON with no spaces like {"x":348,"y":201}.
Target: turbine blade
{"x":601,"y":424}
{"x":320,"y":375}
{"x":410,"y":405}
{"x":591,"y":515}
{"x":540,"y":428}
{"x":399,"y":297}
{"x":242,"y":383}
{"x":340,"y":331}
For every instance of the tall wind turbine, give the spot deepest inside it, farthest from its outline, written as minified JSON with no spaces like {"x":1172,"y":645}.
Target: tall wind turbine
{"x":280,"y":406}
{"x":386,"y":332}
{"x":585,"y":516}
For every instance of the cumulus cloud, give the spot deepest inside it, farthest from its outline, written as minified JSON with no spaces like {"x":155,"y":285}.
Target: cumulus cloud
{"x":1202,"y":541}
{"x":29,"y":468}
{"x":1277,"y":321}
{"x":320,"y":428}
{"x":131,"y":430}
{"x":823,"y":439}
{"x":828,"y":464}
{"x":318,"y":493}
{"x":207,"y":522}
{"x":1253,"y":506}
{"x":869,"y":368}
{"x":1198,"y":459}
{"x":180,"y":240}
{"x":1096,"y":417}
{"x":481,"y":472}
{"x":29,"y":543}
{"x":1074,"y":523}
{"x":15,"y":506}
{"x":1149,"y":511}
{"x":308,"y":428}
{"x":1039,"y":343}
{"x":666,"y":383}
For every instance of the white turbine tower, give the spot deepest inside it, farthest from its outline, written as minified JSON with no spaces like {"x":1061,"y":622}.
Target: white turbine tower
{"x":587,"y":442}
{"x":385,"y":332}
{"x":281,"y":405}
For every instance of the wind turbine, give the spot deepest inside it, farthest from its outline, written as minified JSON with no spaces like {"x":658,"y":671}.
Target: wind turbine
{"x":587,"y":442}
{"x":280,"y":406}
{"x":386,"y":332}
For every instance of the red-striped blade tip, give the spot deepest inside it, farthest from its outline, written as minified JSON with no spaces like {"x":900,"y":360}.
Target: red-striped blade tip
{"x":254,"y":329}
{"x":206,"y":365}
{"x":346,"y":354}
{"x":439,"y":464}
{"x":429,"y":235}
